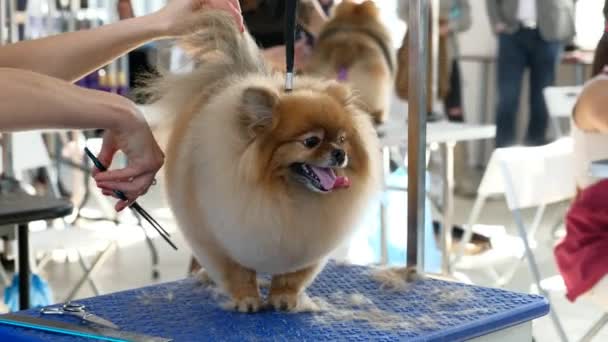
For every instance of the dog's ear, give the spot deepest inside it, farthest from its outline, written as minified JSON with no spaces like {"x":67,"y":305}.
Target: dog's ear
{"x":257,"y":107}
{"x":344,"y":8}
{"x":368,"y":8}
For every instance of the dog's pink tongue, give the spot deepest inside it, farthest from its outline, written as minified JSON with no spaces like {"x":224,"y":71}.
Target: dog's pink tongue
{"x":328,"y":178}
{"x":342,"y":182}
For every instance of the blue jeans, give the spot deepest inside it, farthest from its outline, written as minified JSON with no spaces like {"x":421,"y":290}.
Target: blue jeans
{"x":517,"y":51}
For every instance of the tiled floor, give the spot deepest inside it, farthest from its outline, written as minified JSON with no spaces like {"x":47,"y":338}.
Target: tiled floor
{"x":130,"y":266}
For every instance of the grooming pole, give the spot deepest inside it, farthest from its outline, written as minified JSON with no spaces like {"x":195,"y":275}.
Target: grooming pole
{"x":418,"y":23}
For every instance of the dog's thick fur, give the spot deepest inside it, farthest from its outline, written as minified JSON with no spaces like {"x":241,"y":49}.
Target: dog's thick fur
{"x":356,"y":40}
{"x":234,"y":137}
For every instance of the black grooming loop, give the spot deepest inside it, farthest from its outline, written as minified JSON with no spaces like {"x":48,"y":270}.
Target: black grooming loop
{"x":291,"y":9}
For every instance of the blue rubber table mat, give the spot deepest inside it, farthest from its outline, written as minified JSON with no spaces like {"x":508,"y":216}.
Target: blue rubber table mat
{"x":354,"y":307}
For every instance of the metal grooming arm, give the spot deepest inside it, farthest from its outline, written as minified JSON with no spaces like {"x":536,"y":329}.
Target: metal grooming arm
{"x":418,"y":28}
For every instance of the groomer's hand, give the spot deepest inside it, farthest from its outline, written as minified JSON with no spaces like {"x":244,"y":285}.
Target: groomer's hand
{"x":276,"y":55}
{"x":144,"y":158}
{"x":180,"y":17}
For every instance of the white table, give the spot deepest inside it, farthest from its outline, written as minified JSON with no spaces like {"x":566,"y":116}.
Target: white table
{"x":446,"y":134}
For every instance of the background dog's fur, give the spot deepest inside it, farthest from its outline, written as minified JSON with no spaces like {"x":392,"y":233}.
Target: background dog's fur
{"x":237,"y":216}
{"x":369,"y":72}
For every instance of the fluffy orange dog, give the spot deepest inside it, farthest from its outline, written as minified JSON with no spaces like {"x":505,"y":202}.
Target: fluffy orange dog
{"x":355,"y":47}
{"x":261,"y":180}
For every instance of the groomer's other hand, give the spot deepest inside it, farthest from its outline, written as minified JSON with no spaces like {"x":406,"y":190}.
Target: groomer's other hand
{"x":276,"y":55}
{"x":500,"y":28}
{"x":180,"y":17}
{"x":144,"y":158}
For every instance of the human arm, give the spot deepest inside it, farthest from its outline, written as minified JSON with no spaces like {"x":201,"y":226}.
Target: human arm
{"x":72,"y":55}
{"x":311,"y":16}
{"x":496,"y":23}
{"x":35,"y":101}
{"x":275,"y":55}
{"x":591,"y":110}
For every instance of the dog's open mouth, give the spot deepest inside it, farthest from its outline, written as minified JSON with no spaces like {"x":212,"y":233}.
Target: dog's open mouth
{"x":321,"y":179}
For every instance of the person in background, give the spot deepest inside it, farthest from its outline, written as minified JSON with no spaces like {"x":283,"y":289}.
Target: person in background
{"x":454,"y":18}
{"x":36,"y":90}
{"x":581,"y":253}
{"x":265,"y":21}
{"x":140,"y":66}
{"x":601,"y":49}
{"x":457,"y":21}
{"x":530,"y":34}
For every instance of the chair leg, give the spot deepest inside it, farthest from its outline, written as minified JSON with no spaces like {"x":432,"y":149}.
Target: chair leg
{"x":510,"y":273}
{"x":96,"y":264}
{"x":4,"y":279}
{"x":533,"y":265}
{"x":383,"y":207}
{"x":491,"y":272}
{"x":85,"y":267}
{"x":595,"y":328}
{"x":468,"y":233}
{"x":523,"y":234}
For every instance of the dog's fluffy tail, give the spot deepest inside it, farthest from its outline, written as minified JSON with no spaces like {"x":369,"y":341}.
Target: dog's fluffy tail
{"x":219,"y":51}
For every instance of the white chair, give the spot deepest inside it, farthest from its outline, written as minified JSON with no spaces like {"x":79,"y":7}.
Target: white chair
{"x":560,"y":103}
{"x":529,"y":177}
{"x":80,"y":240}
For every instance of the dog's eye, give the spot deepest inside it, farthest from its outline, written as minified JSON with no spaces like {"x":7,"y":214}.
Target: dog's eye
{"x":341,"y":139}
{"x":312,"y":142}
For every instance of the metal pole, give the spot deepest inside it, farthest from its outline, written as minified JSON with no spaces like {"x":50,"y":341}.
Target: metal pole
{"x":434,"y":17}
{"x":418,"y":28}
{"x":23,"y":266}
{"x":2,"y":22}
{"x":7,"y":140}
{"x":447,"y":152}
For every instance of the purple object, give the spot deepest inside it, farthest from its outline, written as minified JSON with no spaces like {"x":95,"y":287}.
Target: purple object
{"x":343,"y":74}
{"x":92,"y":80}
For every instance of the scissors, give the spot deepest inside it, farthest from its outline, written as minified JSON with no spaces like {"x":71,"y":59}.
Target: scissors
{"x":135,"y":206}
{"x":80,"y":311}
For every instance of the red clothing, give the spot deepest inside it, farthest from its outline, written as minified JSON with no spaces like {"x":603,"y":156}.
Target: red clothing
{"x":582,"y":256}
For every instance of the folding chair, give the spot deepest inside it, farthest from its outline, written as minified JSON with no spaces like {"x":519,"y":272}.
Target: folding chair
{"x":599,"y":295}
{"x":560,"y":102}
{"x":81,"y":240}
{"x":530,"y":177}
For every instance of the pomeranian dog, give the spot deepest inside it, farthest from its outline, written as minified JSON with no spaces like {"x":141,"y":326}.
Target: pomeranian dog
{"x":355,"y":47}
{"x":261,"y":180}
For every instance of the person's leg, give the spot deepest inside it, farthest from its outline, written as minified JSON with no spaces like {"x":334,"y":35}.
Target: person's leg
{"x":543,"y":62}
{"x":510,"y":69}
{"x":453,"y":100}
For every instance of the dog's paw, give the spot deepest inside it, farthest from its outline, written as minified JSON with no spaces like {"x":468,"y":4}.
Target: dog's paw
{"x":203,"y":277}
{"x":284,"y":301}
{"x":246,"y":304}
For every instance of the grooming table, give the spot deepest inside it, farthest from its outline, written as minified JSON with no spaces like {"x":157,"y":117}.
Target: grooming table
{"x":355,"y":309}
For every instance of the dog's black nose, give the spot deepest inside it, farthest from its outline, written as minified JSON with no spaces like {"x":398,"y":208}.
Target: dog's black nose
{"x":339,"y":156}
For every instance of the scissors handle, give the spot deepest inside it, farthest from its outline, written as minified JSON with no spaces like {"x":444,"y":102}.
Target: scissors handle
{"x":102,"y":168}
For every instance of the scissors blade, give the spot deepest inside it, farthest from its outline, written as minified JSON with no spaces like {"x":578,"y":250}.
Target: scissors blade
{"x":89,"y":317}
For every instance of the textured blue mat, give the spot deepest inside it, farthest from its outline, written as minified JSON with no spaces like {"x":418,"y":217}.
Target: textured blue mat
{"x":354,"y":308}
